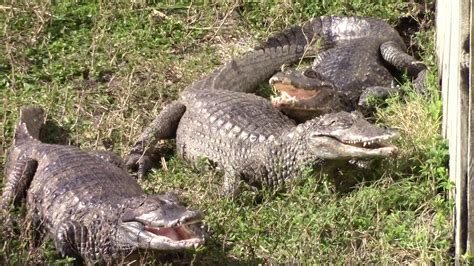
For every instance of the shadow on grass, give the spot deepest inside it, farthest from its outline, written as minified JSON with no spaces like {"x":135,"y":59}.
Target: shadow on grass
{"x":52,"y":133}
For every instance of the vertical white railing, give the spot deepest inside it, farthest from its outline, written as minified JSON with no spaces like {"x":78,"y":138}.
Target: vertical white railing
{"x":452,"y":42}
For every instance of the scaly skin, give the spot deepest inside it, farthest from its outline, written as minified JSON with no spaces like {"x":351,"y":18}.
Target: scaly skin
{"x":205,"y":112}
{"x":89,"y":206}
{"x":356,"y":63}
{"x":250,"y":140}
{"x":244,"y":73}
{"x":241,"y":74}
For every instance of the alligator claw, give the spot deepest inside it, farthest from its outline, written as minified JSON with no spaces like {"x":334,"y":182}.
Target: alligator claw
{"x":420,"y":82}
{"x":139,"y":162}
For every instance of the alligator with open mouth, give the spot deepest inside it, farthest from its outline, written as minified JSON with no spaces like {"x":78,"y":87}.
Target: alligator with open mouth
{"x":244,"y":135}
{"x":248,"y":139}
{"x":358,"y":59}
{"x":87,"y":203}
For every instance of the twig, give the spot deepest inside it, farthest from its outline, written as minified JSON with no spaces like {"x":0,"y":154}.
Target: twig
{"x":8,"y":8}
{"x":224,"y":20}
{"x":209,"y":28}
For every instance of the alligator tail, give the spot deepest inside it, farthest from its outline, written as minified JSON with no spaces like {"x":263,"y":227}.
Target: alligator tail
{"x":296,"y":35}
{"x":328,"y":30}
{"x":31,"y":121}
{"x":244,"y":73}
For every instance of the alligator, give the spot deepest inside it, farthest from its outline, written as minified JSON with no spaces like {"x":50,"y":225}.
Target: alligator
{"x":91,"y":207}
{"x":217,"y":118}
{"x":249,"y":140}
{"x":242,"y":74}
{"x":358,"y":59}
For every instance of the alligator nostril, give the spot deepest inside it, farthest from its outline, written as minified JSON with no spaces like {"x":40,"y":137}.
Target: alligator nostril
{"x":394,"y":132}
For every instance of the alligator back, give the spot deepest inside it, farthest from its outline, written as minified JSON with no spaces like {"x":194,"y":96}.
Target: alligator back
{"x":353,"y":66}
{"x":69,"y":181}
{"x":228,"y":127}
{"x":65,"y":186}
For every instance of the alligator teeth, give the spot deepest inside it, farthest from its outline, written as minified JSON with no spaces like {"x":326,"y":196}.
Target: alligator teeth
{"x":284,"y":98}
{"x":288,"y":97}
{"x":367,"y":143}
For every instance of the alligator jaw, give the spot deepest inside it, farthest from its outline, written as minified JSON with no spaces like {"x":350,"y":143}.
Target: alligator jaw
{"x":183,"y":233}
{"x":304,"y":101}
{"x":369,"y":149}
{"x":294,"y":98}
{"x":291,"y":93}
{"x":176,"y":236}
{"x":375,"y":148}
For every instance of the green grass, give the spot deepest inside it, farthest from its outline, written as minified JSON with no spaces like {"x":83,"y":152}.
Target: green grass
{"x":103,"y":71}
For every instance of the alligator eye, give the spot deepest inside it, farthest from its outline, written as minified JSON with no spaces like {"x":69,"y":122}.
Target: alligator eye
{"x":327,"y":123}
{"x":310,"y":73}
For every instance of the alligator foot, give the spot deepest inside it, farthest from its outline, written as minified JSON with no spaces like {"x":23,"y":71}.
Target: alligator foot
{"x":7,"y":227}
{"x":419,"y":84}
{"x":231,"y":186}
{"x":163,"y":127}
{"x":139,"y":161}
{"x":397,"y":57}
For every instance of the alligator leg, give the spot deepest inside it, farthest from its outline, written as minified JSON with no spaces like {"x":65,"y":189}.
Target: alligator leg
{"x":35,"y":229}
{"x":231,"y":183}
{"x":19,"y":175}
{"x":163,"y":127}
{"x":67,"y":238}
{"x":420,"y":81}
{"x":374,"y":92}
{"x":397,"y":57}
{"x":110,"y":157}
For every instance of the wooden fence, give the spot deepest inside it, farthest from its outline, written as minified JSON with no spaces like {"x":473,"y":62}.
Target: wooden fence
{"x":453,"y":43}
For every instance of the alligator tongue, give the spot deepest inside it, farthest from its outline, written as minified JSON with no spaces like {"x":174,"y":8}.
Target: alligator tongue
{"x":290,"y":91}
{"x":173,"y":233}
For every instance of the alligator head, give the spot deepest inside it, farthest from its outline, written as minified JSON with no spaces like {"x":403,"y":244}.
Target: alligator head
{"x":304,"y":95}
{"x":161,"y":223}
{"x":346,"y":135}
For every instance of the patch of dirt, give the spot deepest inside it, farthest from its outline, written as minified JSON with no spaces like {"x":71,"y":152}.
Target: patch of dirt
{"x":420,"y":17}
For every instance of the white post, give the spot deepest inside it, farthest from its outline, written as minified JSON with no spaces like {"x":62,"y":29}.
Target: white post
{"x":453,"y":17}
